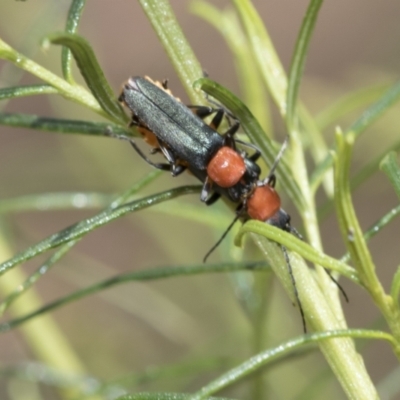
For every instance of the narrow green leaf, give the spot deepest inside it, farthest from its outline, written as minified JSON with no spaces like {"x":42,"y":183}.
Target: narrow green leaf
{"x":264,"y":52}
{"x":63,"y":125}
{"x":376,"y":228}
{"x":377,"y":110}
{"x":86,"y":226}
{"x":35,"y":276}
{"x":144,"y":275}
{"x":299,"y":59}
{"x":173,"y":40}
{"x":347,"y":104}
{"x":368,"y":117}
{"x":162,"y":374}
{"x":29,"y":90}
{"x":299,"y":246}
{"x":44,"y":268}
{"x":74,"y":16}
{"x":71,"y":92}
{"x":317,"y":145}
{"x":390,"y":167}
{"x":354,"y":239}
{"x":372,"y":166}
{"x":55,"y":201}
{"x":359,"y":178}
{"x":91,"y":72}
{"x":254,"y":131}
{"x":227,"y":23}
{"x":348,"y":223}
{"x":395,"y":288}
{"x":72,"y":200}
{"x":274,"y":76}
{"x":300,"y":118}
{"x":256,"y":362}
{"x":165,"y":396}
{"x":321,"y":315}
{"x":382,"y":222}
{"x":320,"y":171}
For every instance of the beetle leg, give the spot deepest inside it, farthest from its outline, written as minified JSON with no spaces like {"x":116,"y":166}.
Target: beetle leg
{"x":219,"y":106}
{"x":257,"y":153}
{"x":228,"y":135}
{"x":216,"y":121}
{"x":272,"y":180}
{"x":237,"y":216}
{"x":212,"y":199}
{"x":175,"y":167}
{"x":201,"y":111}
{"x":161,"y":166}
{"x":205,"y":192}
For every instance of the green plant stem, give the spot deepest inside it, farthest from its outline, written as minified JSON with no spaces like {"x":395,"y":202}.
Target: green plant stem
{"x":292,"y":122}
{"x":367,"y":118}
{"x":339,"y":353}
{"x":274,"y":76}
{"x":227,"y":23}
{"x":343,"y":360}
{"x":261,"y":333}
{"x":86,"y":226}
{"x":146,"y":275}
{"x":347,"y":104}
{"x":73,"y":19}
{"x":91,"y":72}
{"x":376,"y":228}
{"x":300,"y":247}
{"x":299,"y":59}
{"x":391,"y":169}
{"x":73,"y":92}
{"x":354,"y":239}
{"x":163,"y":20}
{"x":55,"y":257}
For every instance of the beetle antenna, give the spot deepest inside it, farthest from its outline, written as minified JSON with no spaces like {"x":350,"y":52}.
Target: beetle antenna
{"x":294,"y":232}
{"x":276,"y":162}
{"x":222,"y":237}
{"x":334,"y":280}
{"x":130,"y":140}
{"x":296,"y":293}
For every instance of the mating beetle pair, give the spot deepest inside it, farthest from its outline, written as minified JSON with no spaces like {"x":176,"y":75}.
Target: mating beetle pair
{"x":186,"y":141}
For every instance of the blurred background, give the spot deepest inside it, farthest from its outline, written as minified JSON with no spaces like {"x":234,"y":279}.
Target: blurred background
{"x":168,"y":322}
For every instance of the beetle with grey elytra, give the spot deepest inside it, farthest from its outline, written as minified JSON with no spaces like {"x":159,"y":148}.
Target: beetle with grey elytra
{"x":186,"y":141}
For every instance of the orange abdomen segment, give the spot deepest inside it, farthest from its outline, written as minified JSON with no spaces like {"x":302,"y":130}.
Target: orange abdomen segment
{"x":263,"y":203}
{"x":226,"y":168}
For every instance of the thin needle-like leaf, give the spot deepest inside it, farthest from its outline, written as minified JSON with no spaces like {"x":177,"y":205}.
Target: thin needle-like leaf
{"x":299,"y":59}
{"x":91,"y":72}
{"x":258,"y":361}
{"x":163,"y":20}
{"x":84,"y":227}
{"x":74,"y":16}
{"x":145,"y":275}
{"x":63,"y":125}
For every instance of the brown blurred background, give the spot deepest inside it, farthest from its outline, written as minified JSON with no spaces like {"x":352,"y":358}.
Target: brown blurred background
{"x":355,"y":45}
